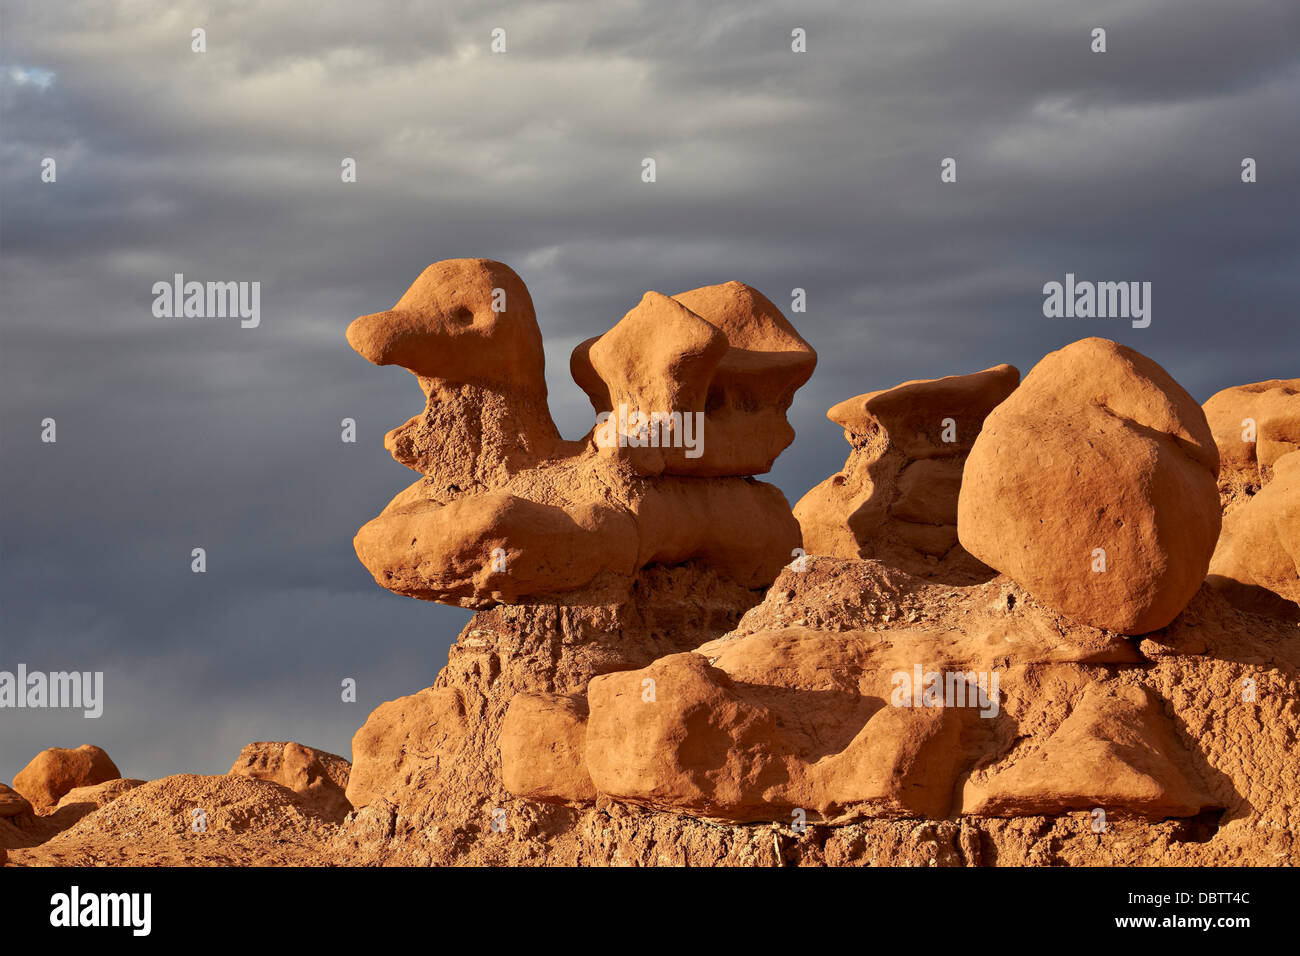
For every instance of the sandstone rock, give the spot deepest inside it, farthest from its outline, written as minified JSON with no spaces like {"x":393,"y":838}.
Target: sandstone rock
{"x":847,"y":725}
{"x":97,"y":795}
{"x":436,"y":758}
{"x":739,"y":527}
{"x":983,"y":627}
{"x":83,"y":801}
{"x":21,"y":826}
{"x":52,"y":773}
{"x":499,"y":547}
{"x":1257,"y":561}
{"x":694,"y":740}
{"x":791,"y":707}
{"x":660,"y":356}
{"x":1115,"y":751}
{"x":447,"y":326}
{"x":466,"y":329}
{"x":441,"y":806}
{"x":12,"y":803}
{"x":402,"y":738}
{"x":1253,"y":426}
{"x":1099,"y":454}
{"x":757,"y":724}
{"x":724,"y":351}
{"x":543,"y":748}
{"x":914,"y":414}
{"x":495,"y":547}
{"x":509,"y":512}
{"x":320,"y":778}
{"x":896,"y":497}
{"x":229,"y":805}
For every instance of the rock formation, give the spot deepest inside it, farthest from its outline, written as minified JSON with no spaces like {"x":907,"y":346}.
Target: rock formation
{"x":1257,"y":561}
{"x":649,"y":679}
{"x":63,"y":785}
{"x":507,"y":511}
{"x":319,"y":778}
{"x":1115,"y":750}
{"x":13,"y":803}
{"x":837,"y":724}
{"x":896,"y":497}
{"x":724,"y":352}
{"x":92,"y":798}
{"x":897,"y":678}
{"x":1093,"y":486}
{"x":52,"y":773}
{"x":1253,"y":426}
{"x":543,"y":746}
{"x":192,"y":819}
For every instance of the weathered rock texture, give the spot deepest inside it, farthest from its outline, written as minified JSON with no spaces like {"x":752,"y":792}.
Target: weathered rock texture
{"x":319,"y":778}
{"x":752,"y":725}
{"x":66,"y":784}
{"x":1093,"y":486}
{"x":97,"y":795}
{"x":1257,"y":561}
{"x":13,"y":803}
{"x":768,"y":721}
{"x":895,"y":499}
{"x":82,"y":801}
{"x":507,"y":511}
{"x":1116,"y":750}
{"x":1253,"y":425}
{"x":189,"y":819}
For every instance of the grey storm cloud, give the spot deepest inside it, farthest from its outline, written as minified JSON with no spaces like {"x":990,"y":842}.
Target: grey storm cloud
{"x":817,"y":170}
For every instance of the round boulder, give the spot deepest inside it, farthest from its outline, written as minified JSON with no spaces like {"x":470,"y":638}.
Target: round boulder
{"x":1093,"y":486}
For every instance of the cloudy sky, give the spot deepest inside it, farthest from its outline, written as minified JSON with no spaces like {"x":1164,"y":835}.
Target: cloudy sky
{"x":817,"y":170}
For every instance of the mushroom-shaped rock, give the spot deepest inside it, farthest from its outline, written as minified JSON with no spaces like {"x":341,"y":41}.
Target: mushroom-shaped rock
{"x":53,"y":772}
{"x":896,"y":497}
{"x":510,"y":513}
{"x":320,"y":778}
{"x":724,"y":353}
{"x":1115,"y":751}
{"x":1093,"y":486}
{"x":1257,"y":561}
